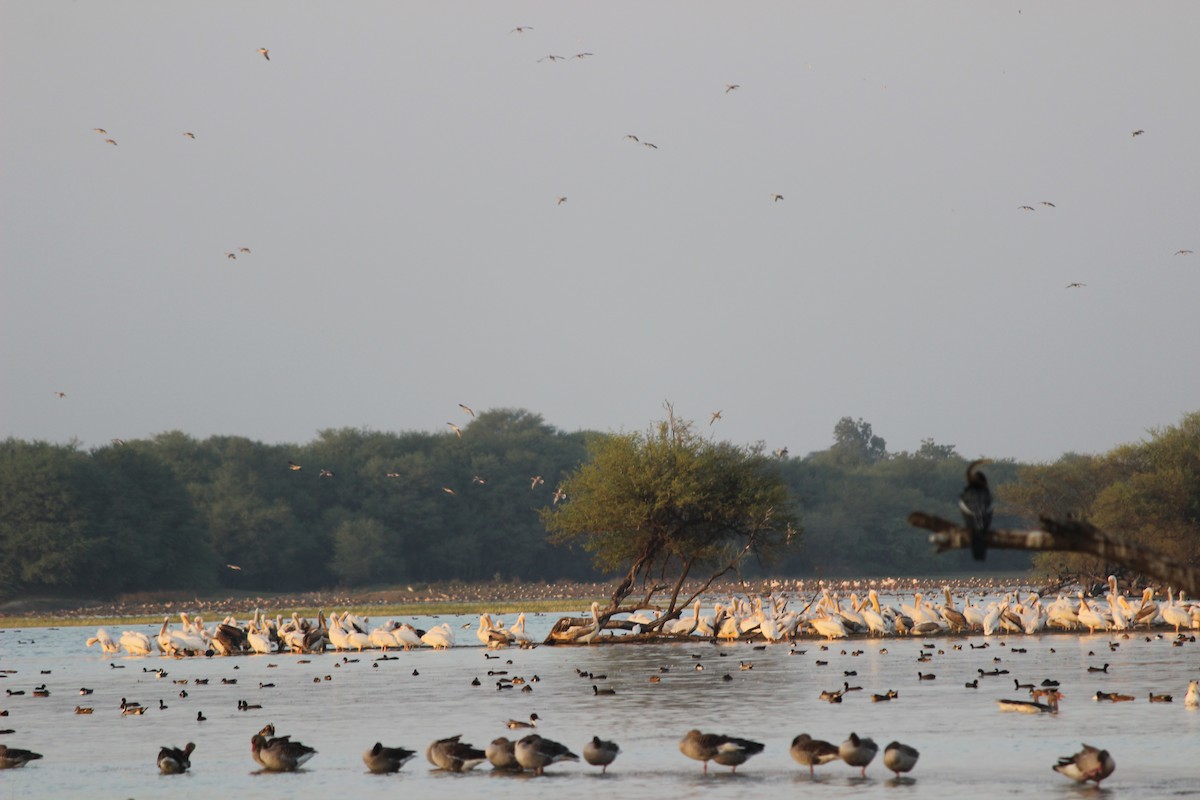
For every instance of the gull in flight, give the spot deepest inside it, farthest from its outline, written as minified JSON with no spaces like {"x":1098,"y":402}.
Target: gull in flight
{"x":650,"y":144}
{"x":729,"y":87}
{"x":631,"y":136}
{"x":713,"y":417}
{"x":265,"y":53}
{"x":1026,"y":208}
{"x":1048,"y":204}
{"x":535,"y":480}
{"x":467,"y":409}
{"x":326,"y":473}
{"x":582,"y":55}
{"x":455,"y":428}
{"x":1076,"y":285}
{"x":552,"y":57}
{"x":118,"y":442}
{"x":1183,"y":252}
{"x":478,"y":480}
{"x":559,"y":494}
{"x":243,"y":249}
{"x":392,"y":475}
{"x":521,"y":29}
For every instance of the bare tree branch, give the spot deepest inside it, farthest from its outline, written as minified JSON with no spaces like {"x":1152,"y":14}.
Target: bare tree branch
{"x":1069,"y":535}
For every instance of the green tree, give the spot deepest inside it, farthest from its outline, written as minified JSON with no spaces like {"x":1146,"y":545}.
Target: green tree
{"x":668,"y":502}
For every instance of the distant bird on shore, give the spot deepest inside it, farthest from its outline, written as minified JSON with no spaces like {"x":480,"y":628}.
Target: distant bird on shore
{"x":975,"y":503}
{"x":457,"y":430}
{"x":265,"y":53}
{"x":713,"y":417}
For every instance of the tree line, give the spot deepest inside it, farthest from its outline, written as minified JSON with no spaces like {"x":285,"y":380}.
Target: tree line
{"x":357,"y":507}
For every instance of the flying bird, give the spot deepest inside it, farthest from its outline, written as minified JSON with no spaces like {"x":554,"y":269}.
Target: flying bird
{"x":392,"y":475}
{"x":294,"y":467}
{"x":975,"y":503}
{"x":449,"y":491}
{"x":113,"y":142}
{"x":521,"y":29}
{"x":244,"y":250}
{"x":1026,"y":208}
{"x":535,"y":480}
{"x":1138,"y":132}
{"x":60,"y":395}
{"x":1183,"y":252}
{"x":467,"y":409}
{"x":100,"y":131}
{"x":1049,"y":204}
{"x":189,"y":134}
{"x":325,"y":473}
{"x":561,"y":200}
{"x":265,"y":53}
{"x":478,"y":480}
{"x":729,"y":87}
{"x":631,"y":136}
{"x":232,"y":256}
{"x":551,"y":57}
{"x":650,"y":145}
{"x":118,"y":442}
{"x":234,"y":567}
{"x":713,"y":417}
{"x":776,"y":197}
{"x":559,"y":494}
{"x":457,"y":430}
{"x":582,"y":55}
{"x":1076,"y":285}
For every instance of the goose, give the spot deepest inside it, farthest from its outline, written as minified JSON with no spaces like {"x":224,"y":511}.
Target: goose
{"x":811,"y":753}
{"x":454,"y":756}
{"x":600,"y":753}
{"x":900,"y":758}
{"x":1192,"y":698}
{"x":107,"y":645}
{"x":1089,"y":764}
{"x":502,"y":755}
{"x":706,"y":747}
{"x":279,"y":754}
{"x":173,"y":761}
{"x":13,"y":757}
{"x":858,"y":752}
{"x":381,"y":760}
{"x":536,"y":753}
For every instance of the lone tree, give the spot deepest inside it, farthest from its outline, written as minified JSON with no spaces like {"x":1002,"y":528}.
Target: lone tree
{"x":666,"y":504}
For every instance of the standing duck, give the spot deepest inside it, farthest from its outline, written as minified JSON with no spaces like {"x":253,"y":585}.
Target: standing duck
{"x":900,"y":758}
{"x":858,"y":752}
{"x":380,"y":759}
{"x":279,"y":754}
{"x":535,"y":753}
{"x":12,"y":757}
{"x":1089,"y":764}
{"x":707,"y":746}
{"x":173,"y":761}
{"x":600,"y":753}
{"x":812,"y":752}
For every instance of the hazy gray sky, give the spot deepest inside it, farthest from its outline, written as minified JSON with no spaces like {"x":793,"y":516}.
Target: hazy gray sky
{"x":395,"y":169}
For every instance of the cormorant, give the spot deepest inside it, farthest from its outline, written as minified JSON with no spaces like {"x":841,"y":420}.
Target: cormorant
{"x":975,"y":502}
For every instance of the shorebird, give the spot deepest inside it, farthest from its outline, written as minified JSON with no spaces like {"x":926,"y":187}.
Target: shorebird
{"x":467,"y":409}
{"x":729,"y":87}
{"x":457,"y":430}
{"x":265,"y":53}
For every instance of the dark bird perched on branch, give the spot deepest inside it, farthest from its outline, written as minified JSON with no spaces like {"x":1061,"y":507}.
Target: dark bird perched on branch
{"x":975,"y":502}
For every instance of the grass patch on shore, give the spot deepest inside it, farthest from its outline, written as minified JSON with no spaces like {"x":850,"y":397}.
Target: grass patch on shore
{"x":377,"y":613}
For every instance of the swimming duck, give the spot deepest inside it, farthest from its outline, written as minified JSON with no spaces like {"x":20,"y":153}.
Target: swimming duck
{"x":858,"y":752}
{"x":1089,"y":764}
{"x":707,"y":746}
{"x":536,"y":753}
{"x":600,"y":753}
{"x":513,"y":724}
{"x":381,"y":760}
{"x":173,"y":761}
{"x":279,"y":754}
{"x":811,"y":752}
{"x":13,"y":757}
{"x":900,"y":758}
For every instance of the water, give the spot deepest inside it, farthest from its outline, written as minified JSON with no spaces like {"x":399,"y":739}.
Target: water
{"x":968,"y":747}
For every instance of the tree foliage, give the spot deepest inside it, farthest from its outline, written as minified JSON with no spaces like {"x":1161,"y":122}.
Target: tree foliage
{"x":657,"y":506}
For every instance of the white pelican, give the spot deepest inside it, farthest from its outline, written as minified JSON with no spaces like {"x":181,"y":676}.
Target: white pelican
{"x":873,"y":616}
{"x":258,"y":642}
{"x":136,"y":643}
{"x":827,"y":626}
{"x":1089,"y":617}
{"x":517,"y":632}
{"x":1192,"y":699}
{"x":107,"y":645}
{"x":439,"y":637}
{"x":407,"y":636}
{"x":953,"y":617}
{"x":686,"y":627}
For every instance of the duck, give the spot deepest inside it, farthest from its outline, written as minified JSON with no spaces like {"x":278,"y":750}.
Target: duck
{"x":381,"y":760}
{"x":1192,"y":698}
{"x":83,"y":709}
{"x":173,"y":761}
{"x":1160,"y":698}
{"x":706,"y":747}
{"x":859,"y":752}
{"x":513,"y":724}
{"x":501,"y":754}
{"x":13,"y":757}
{"x":596,"y":690}
{"x":811,"y":752}
{"x":279,"y":754}
{"x":900,"y":757}
{"x":536,"y":753}
{"x":1089,"y":764}
{"x":600,"y":753}
{"x":453,"y":755}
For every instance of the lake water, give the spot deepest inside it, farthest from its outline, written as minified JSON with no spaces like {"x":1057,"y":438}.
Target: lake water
{"x":968,"y":747}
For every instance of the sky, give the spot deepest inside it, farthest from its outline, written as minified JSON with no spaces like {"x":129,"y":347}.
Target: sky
{"x":396,"y":170}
